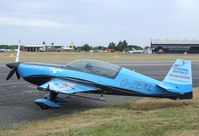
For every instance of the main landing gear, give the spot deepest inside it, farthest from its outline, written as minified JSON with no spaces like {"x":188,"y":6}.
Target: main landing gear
{"x":49,"y":101}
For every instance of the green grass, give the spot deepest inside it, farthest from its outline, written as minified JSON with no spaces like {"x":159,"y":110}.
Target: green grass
{"x":68,"y":56}
{"x":147,"y":117}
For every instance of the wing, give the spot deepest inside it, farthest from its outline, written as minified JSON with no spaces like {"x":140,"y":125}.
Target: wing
{"x":65,"y":86}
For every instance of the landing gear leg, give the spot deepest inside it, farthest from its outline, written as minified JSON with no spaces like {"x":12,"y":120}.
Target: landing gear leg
{"x":53,"y":96}
{"x":102,"y":96}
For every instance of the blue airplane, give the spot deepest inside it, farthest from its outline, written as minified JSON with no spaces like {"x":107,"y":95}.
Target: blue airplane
{"x":94,"y":76}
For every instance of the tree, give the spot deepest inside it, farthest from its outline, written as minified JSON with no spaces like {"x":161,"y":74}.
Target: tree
{"x":122,"y":45}
{"x":86,"y":47}
{"x":78,"y":48}
{"x":99,"y":48}
{"x":12,"y":47}
{"x":112,"y":45}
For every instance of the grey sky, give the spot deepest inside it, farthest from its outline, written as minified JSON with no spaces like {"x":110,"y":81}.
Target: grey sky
{"x":97,"y":22}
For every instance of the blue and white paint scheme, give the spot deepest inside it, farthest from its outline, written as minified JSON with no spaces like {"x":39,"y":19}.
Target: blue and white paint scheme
{"x":94,"y":76}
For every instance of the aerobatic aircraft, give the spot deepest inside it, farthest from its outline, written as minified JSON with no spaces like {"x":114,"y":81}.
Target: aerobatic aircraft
{"x":94,"y":76}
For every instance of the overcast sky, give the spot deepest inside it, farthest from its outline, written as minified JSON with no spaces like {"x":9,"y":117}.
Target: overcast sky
{"x":97,"y":22}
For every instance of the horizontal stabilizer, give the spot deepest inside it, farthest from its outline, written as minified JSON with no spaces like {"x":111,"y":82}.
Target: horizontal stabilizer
{"x":169,"y":88}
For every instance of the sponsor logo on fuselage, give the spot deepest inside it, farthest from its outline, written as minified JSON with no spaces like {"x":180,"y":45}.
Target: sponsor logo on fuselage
{"x":55,"y":70}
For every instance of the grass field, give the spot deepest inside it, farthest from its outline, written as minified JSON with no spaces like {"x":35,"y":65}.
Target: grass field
{"x":68,"y":56}
{"x":147,"y":117}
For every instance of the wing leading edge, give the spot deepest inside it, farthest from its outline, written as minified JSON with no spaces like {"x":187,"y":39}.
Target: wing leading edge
{"x":65,"y":86}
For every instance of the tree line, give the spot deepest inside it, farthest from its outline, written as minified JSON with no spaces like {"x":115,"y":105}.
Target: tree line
{"x":120,"y":46}
{"x":11,"y":47}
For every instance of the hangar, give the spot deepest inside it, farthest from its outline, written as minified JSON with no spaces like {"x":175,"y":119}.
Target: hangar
{"x":43,"y":48}
{"x":175,"y":46}
{"x":34,"y":47}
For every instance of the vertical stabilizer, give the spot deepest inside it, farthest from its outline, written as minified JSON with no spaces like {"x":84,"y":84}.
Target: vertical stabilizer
{"x":180,"y":77}
{"x":180,"y":73}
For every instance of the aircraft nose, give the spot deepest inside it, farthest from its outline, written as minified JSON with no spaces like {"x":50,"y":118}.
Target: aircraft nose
{"x":12,"y":65}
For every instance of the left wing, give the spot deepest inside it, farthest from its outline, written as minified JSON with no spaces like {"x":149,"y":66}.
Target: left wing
{"x":66,"y":87}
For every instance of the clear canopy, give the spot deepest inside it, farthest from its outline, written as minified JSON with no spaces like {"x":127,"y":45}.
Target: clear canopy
{"x":96,"y":67}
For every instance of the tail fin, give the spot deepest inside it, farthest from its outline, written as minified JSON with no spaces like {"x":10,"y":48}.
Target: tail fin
{"x":18,"y":51}
{"x":180,"y":73}
{"x":180,"y":76}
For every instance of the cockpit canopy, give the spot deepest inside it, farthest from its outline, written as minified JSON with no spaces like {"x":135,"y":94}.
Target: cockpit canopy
{"x":96,"y":67}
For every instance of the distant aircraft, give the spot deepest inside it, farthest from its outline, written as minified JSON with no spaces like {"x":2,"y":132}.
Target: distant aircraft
{"x":134,"y":51}
{"x":93,"y":76}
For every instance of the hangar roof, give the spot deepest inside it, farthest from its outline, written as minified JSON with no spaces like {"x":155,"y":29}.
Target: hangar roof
{"x":158,"y":41}
{"x":34,"y":45}
{"x":42,"y":45}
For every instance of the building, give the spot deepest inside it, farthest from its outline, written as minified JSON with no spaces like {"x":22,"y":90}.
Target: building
{"x":175,"y":46}
{"x":34,"y":47}
{"x":109,"y":50}
{"x":68,"y":49}
{"x":43,"y":48}
{"x":54,"y":48}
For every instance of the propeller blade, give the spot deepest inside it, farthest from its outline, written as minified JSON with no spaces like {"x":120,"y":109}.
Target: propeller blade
{"x":17,"y":73}
{"x":12,"y":65}
{"x":11,"y":73}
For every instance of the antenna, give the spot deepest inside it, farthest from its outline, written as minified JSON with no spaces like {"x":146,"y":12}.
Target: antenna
{"x":18,"y":51}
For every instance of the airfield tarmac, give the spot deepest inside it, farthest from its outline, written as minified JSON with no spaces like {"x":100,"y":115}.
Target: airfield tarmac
{"x":17,"y":96}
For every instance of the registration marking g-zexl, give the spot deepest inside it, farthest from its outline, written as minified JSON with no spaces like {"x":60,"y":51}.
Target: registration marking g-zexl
{"x":135,"y":85}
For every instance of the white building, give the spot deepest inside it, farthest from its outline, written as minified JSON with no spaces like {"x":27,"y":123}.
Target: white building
{"x":43,"y":48}
{"x":35,"y":47}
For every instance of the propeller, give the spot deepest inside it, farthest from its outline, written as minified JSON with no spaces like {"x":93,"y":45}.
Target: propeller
{"x":13,"y":67}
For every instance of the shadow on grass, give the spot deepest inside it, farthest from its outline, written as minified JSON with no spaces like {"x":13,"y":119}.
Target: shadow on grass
{"x":148,"y":104}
